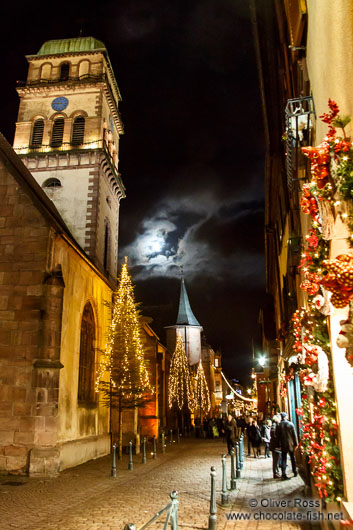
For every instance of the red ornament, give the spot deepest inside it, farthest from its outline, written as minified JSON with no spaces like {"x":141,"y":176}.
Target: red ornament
{"x":339,"y":279}
{"x":320,"y":162}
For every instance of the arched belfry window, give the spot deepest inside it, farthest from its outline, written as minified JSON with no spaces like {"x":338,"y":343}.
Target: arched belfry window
{"x":87,"y":365}
{"x":37,"y":133}
{"x":64,"y":71}
{"x":78,"y":130}
{"x":57,"y":133}
{"x":45,"y":71}
{"x":83,"y":69}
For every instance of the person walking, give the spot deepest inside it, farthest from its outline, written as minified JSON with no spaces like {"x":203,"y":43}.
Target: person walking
{"x":248,"y":424}
{"x":266,"y":436}
{"x":275,"y":446}
{"x":230,"y":428}
{"x":288,"y":442}
{"x":255,"y":438}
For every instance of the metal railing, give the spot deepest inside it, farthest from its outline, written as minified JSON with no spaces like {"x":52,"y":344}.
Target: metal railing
{"x":65,"y":146}
{"x":86,"y":78}
{"x":172,"y":515}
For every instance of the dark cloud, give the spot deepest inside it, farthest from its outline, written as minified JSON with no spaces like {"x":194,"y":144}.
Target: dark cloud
{"x":233,"y":235}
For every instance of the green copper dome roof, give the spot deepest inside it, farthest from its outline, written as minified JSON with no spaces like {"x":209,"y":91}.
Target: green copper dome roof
{"x":80,"y":44}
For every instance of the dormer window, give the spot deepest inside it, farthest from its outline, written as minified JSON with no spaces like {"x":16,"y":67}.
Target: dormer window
{"x":78,"y":131}
{"x":64,"y":71}
{"x":57,"y":133}
{"x":37,"y":133}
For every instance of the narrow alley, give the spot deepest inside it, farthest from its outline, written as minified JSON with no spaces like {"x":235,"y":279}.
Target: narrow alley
{"x":87,"y":498}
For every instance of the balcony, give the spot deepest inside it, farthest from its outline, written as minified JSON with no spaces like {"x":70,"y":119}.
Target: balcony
{"x":299,"y":114}
{"x":67,"y":147}
{"x":87,"y":78}
{"x":64,"y":147}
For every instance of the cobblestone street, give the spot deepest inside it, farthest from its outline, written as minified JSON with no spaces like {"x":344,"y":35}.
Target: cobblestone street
{"x":86,"y":497}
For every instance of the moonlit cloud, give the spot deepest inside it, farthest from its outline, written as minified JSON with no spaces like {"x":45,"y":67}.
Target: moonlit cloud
{"x":199,"y":233}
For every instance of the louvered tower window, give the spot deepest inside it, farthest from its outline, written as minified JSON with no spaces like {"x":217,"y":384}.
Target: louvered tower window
{"x":64,"y":71}
{"x":78,"y":130}
{"x":87,"y":357}
{"x":37,"y":133}
{"x":57,"y":134}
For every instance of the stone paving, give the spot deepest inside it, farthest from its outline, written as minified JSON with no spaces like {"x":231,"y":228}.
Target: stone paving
{"x":87,"y":498}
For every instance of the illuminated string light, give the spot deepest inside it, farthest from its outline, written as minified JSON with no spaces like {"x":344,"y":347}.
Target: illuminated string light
{"x":179,"y":383}
{"x":124,"y":355}
{"x":201,"y":392}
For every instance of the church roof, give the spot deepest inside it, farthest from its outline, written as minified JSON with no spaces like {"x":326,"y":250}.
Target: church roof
{"x":79,"y":44}
{"x":185,"y":314}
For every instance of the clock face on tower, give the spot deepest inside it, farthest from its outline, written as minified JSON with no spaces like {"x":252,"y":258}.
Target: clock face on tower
{"x":59,"y":103}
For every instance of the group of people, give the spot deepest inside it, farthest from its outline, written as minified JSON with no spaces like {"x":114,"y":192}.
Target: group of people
{"x":278,"y":436}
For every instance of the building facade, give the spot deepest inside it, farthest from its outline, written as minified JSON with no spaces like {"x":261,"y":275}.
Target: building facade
{"x":53,"y":319}
{"x":67,"y":134}
{"x":60,"y":192}
{"x":305,"y":75}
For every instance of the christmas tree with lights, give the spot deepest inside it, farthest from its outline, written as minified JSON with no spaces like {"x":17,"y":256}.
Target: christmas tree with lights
{"x":201,"y":392}
{"x":179,"y":383}
{"x":128,"y":386}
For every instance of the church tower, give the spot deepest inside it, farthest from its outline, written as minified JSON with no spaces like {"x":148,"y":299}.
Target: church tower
{"x":68,"y":133}
{"x":187,"y":327}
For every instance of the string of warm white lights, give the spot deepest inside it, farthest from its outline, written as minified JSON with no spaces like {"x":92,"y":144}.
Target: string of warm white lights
{"x":179,"y":384}
{"x":201,"y":392}
{"x":124,"y":356}
{"x":236,"y":395}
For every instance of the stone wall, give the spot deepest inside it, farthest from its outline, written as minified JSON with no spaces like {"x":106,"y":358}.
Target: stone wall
{"x":24,"y":237}
{"x":45,"y":283}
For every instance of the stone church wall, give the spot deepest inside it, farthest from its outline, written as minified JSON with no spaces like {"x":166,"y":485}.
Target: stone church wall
{"x":45,"y":283}
{"x":23,"y":250}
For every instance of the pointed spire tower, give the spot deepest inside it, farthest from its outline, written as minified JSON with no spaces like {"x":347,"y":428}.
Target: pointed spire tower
{"x":187,"y":327}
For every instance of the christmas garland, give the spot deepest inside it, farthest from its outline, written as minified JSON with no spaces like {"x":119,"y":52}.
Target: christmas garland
{"x":317,"y":415}
{"x":331,"y":172}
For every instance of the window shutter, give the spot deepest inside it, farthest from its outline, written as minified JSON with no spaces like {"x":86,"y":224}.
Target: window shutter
{"x":37,"y":133}
{"x":58,"y":132}
{"x":78,"y":131}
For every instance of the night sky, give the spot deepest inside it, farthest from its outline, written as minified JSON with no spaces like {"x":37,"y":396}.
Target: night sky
{"x":192,"y":157}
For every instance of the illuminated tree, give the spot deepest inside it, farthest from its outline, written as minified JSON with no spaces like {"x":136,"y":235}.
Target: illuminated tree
{"x":179,"y":383}
{"x":124,"y":357}
{"x":201,"y":392}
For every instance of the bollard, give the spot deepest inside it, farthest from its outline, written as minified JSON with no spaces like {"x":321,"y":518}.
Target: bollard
{"x":113,"y":472}
{"x":178,"y":435}
{"x":154,"y":454}
{"x":237,"y":463}
{"x":233,"y":484}
{"x":131,"y":464}
{"x":171,"y":436}
{"x":224,"y":494}
{"x":173,"y":511}
{"x":144,"y":458}
{"x":163,"y":443}
{"x":212,"y":520}
{"x":241,"y":451}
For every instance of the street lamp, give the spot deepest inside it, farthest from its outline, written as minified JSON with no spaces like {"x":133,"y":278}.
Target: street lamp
{"x":262,"y":360}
